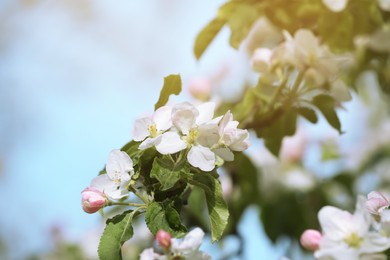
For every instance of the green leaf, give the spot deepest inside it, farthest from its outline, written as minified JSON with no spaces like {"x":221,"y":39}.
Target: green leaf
{"x":308,"y":113}
{"x":168,"y":172}
{"x":118,"y":230}
{"x":163,"y":217}
{"x":131,"y":148}
{"x":273,"y":135}
{"x":172,"y":85}
{"x":240,"y":22}
{"x":207,"y":35}
{"x":216,"y":205}
{"x":326,"y":105}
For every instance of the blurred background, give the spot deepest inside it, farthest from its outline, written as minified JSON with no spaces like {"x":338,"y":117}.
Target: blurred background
{"x":75,"y":74}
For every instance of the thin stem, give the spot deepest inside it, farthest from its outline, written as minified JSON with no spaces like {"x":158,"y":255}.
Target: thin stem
{"x":112,"y":203}
{"x":278,"y":92}
{"x":298,"y":82}
{"x":139,"y":195}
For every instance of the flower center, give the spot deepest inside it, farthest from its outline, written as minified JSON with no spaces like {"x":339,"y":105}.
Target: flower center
{"x":353,"y":240}
{"x":117,"y":177}
{"x":153,"y":130}
{"x":192,"y":135}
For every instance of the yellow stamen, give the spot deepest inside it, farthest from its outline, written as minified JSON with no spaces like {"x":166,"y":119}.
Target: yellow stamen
{"x":153,"y":130}
{"x":354,"y":240}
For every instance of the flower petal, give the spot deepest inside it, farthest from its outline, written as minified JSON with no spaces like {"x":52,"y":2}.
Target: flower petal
{"x":184,"y":116}
{"x":191,"y":242}
{"x":335,"y":223}
{"x":224,"y":153}
{"x":141,"y":129}
{"x":162,"y":118}
{"x":206,"y":112}
{"x":170,"y":143}
{"x":376,"y":202}
{"x":149,"y":142}
{"x":118,"y":163}
{"x":101,"y":182}
{"x":201,"y":157}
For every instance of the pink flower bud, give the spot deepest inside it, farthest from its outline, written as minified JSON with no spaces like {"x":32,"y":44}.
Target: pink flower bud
{"x":376,"y":202}
{"x":164,"y":239}
{"x":92,"y":200}
{"x":200,"y":88}
{"x":310,"y":239}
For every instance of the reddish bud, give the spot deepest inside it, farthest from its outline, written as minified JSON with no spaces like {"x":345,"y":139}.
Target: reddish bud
{"x":164,"y":239}
{"x":310,"y":239}
{"x":92,"y":200}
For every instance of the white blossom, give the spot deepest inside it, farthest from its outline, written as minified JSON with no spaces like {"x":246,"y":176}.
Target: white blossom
{"x":119,"y":170}
{"x":198,"y":130}
{"x":154,"y":130}
{"x":348,"y":236}
{"x":189,"y":246}
{"x":231,"y":138}
{"x":305,"y":52}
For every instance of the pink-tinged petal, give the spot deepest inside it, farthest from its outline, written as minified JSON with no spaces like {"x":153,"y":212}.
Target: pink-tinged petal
{"x":201,"y":157}
{"x":206,"y":112}
{"x":92,"y":200}
{"x":335,"y":5}
{"x":184,"y":117}
{"x":225,"y":154}
{"x":162,"y":118}
{"x":376,"y":202}
{"x":310,"y":239}
{"x":141,"y":129}
{"x":170,"y":143}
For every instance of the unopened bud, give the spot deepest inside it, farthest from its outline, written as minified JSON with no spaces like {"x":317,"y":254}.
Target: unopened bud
{"x":376,"y":202}
{"x":92,"y":200}
{"x":200,"y":88}
{"x":310,"y":239}
{"x":164,"y":239}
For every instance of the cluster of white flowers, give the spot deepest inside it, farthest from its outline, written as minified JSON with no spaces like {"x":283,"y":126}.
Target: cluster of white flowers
{"x":362,"y":235}
{"x":183,"y":126}
{"x":304,"y":52}
{"x":188,"y":248}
